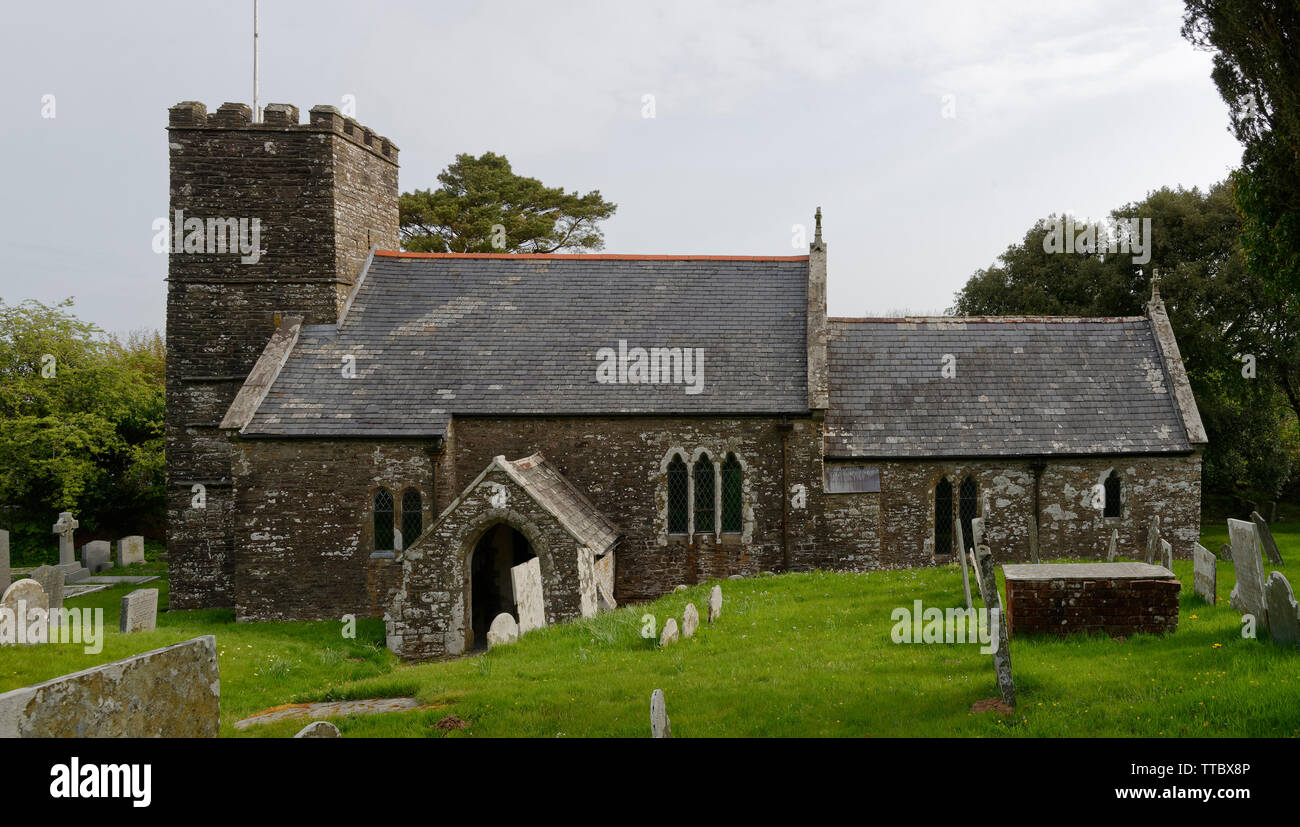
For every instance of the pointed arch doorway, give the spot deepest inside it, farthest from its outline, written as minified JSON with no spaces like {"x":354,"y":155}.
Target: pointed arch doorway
{"x":500,"y":548}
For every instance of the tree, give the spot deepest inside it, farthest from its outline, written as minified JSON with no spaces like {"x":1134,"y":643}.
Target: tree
{"x":81,"y":423}
{"x":1219,"y":311}
{"x":482,"y":206}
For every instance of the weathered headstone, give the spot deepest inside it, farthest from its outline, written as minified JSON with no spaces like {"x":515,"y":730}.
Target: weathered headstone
{"x":1266,"y":539}
{"x":690,"y":620}
{"x":526,"y":580}
{"x":503,"y":630}
{"x":173,"y":692}
{"x":1033,"y":537}
{"x":139,"y":611}
{"x":4,"y":560}
{"x":51,"y":580}
{"x":65,"y":527}
{"x":130,"y":550}
{"x":660,"y":726}
{"x":1113,"y":550}
{"x":669,"y":633}
{"x":96,"y":555}
{"x":1205,"y":574}
{"x":1166,"y":554}
{"x":29,"y":606}
{"x":319,"y":729}
{"x":1248,"y":595}
{"x":927,"y":547}
{"x":1153,"y":540}
{"x":1225,"y":552}
{"x":993,"y":602}
{"x":961,"y":538}
{"x":977,"y":532}
{"x":979,"y":578}
{"x":715,"y":603}
{"x":1283,"y":613}
{"x":965,"y":580}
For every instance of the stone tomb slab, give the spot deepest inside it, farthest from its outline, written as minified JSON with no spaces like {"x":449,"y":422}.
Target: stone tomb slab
{"x":1119,"y":599}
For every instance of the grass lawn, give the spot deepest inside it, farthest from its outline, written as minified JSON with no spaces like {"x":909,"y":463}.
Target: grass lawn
{"x":793,"y":655}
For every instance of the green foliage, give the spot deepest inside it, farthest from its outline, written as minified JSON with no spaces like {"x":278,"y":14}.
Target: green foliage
{"x":482,"y":206}
{"x":81,"y":423}
{"x":1218,"y":310}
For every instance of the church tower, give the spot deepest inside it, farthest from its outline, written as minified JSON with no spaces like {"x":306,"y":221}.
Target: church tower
{"x":268,"y":218}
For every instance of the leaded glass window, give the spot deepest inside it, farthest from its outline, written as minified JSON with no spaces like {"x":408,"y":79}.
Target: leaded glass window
{"x":1112,"y":495}
{"x":943,"y":517}
{"x":731,"y":488}
{"x":969,"y":509}
{"x":412,"y":517}
{"x":678,"y":510}
{"x":383,"y":520}
{"x":703,"y":495}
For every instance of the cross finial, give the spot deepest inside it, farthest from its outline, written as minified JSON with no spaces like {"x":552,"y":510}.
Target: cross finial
{"x":1155,"y":284}
{"x":817,"y":234}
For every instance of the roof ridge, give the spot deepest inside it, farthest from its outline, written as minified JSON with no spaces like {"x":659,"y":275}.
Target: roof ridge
{"x":584,"y":256}
{"x":1010,"y":319}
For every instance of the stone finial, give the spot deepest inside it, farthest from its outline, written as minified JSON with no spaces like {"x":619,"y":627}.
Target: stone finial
{"x":817,"y":232}
{"x":1155,"y":284}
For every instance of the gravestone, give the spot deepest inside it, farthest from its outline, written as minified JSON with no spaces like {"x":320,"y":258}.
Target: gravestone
{"x":1166,"y":555}
{"x":669,"y":633}
{"x":690,"y":620}
{"x":993,"y":602}
{"x":319,"y":729}
{"x":961,"y":538}
{"x":1114,"y":545}
{"x":526,"y":580}
{"x":4,"y":560}
{"x":173,"y":692}
{"x":979,"y":579}
{"x":1153,"y":540}
{"x":1283,"y":613}
{"x":130,"y":550}
{"x":715,"y":603}
{"x":503,"y":630}
{"x":65,"y":527}
{"x":977,"y":532}
{"x":51,"y":580}
{"x":1248,"y":595}
{"x":660,"y":726}
{"x":1266,"y":539}
{"x":1205,"y":574}
{"x":96,"y":556}
{"x":927,"y":548}
{"x":1225,"y":552}
{"x":139,"y":611}
{"x":28,"y":604}
{"x":965,"y":580}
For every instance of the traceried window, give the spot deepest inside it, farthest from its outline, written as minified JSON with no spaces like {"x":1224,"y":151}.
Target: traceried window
{"x":969,"y":509}
{"x":1112,"y":495}
{"x":704,"y":495}
{"x":678,"y":502}
{"x":731,"y":490}
{"x":383,"y":507}
{"x":412,"y":517}
{"x":943,"y":540}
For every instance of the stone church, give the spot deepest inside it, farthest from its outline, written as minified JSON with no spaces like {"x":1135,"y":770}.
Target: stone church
{"x":352,"y":429}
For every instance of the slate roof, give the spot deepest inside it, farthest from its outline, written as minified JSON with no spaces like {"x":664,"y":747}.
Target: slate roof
{"x":553,"y":491}
{"x":1023,"y":386}
{"x":437,"y":335}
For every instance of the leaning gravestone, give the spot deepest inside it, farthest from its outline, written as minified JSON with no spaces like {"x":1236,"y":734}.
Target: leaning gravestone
{"x":690,"y":620}
{"x":715,"y":603}
{"x":139,"y":611}
{"x":96,"y":556}
{"x":1153,"y":540}
{"x":319,"y":729}
{"x":4,"y":560}
{"x":26,"y":602}
{"x":979,"y":579}
{"x":961,"y":538}
{"x":669,"y":634}
{"x":1166,"y":555}
{"x":526,"y":580}
{"x":1248,"y":595}
{"x":993,"y":602}
{"x":1266,"y":539}
{"x":1225,"y":552}
{"x":1205,"y":574}
{"x":965,"y":580}
{"x":1283,"y":613}
{"x":130,"y":550}
{"x":173,"y":692}
{"x":660,"y":726}
{"x":1114,"y":545}
{"x":503,"y":630}
{"x":977,"y":532}
{"x":51,"y":580}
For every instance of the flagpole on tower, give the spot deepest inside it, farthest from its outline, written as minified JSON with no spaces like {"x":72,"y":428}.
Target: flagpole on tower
{"x":256,"y":111}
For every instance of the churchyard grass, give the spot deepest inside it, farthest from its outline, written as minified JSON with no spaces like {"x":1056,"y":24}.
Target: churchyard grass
{"x":793,"y":655}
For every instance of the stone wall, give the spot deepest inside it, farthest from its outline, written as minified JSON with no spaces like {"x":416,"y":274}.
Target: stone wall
{"x":323,"y":192}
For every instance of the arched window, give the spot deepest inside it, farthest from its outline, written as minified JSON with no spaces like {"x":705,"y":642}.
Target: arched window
{"x":731,"y":488}
{"x":703,"y":494}
{"x":969,"y":509}
{"x":678,"y":511}
{"x":383,"y":520}
{"x":943,"y":517}
{"x":412,"y":517}
{"x":1112,"y":495}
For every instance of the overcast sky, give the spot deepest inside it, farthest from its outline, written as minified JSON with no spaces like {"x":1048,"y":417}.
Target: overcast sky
{"x":762,"y":112}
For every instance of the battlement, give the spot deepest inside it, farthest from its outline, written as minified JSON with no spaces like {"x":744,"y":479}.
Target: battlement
{"x":280,"y":117}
